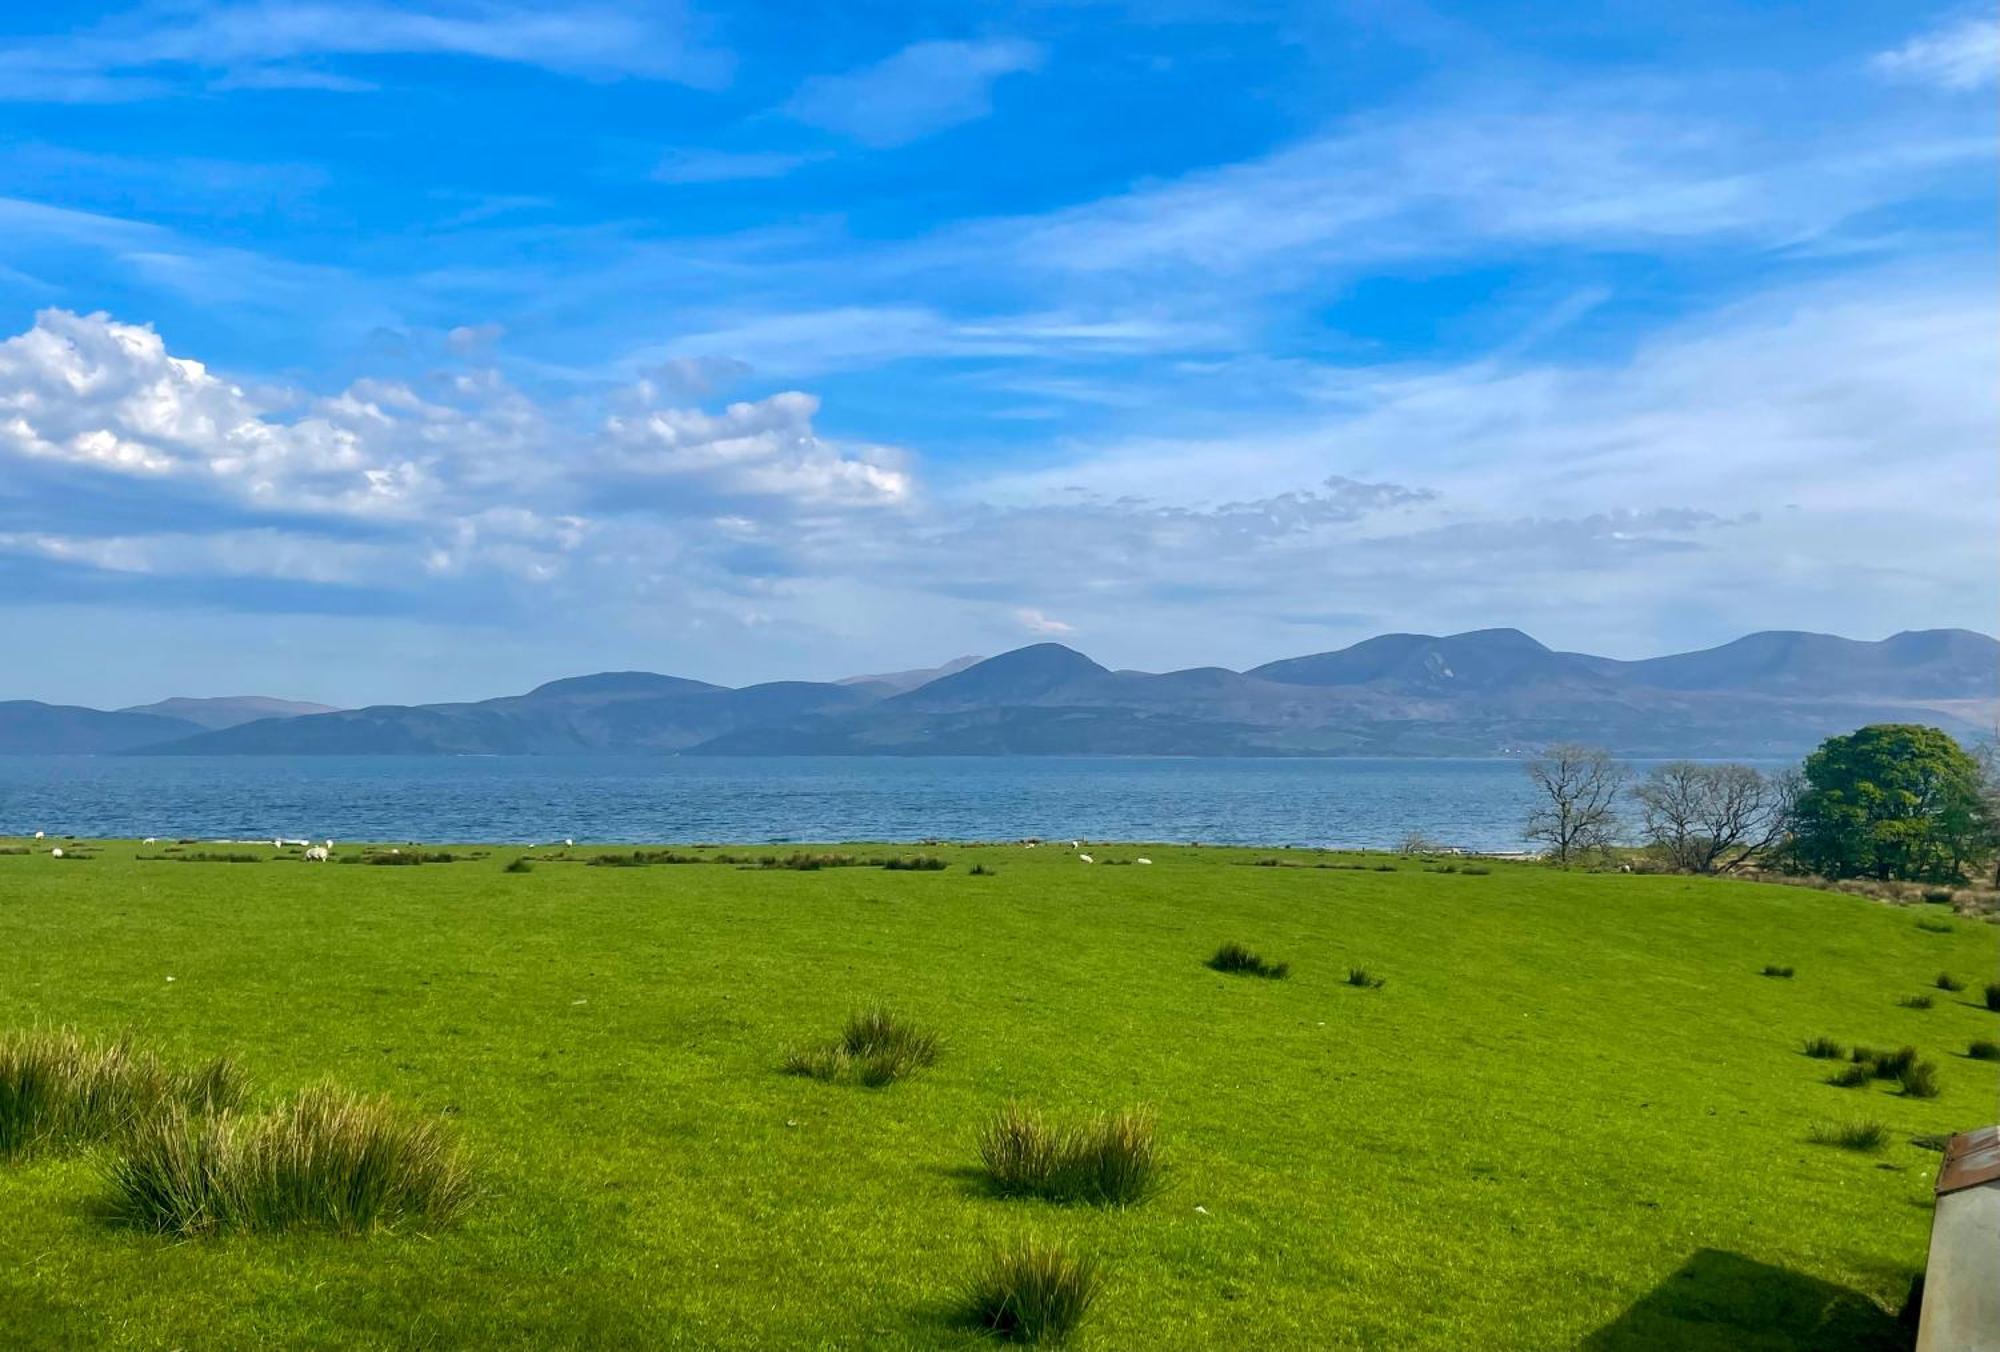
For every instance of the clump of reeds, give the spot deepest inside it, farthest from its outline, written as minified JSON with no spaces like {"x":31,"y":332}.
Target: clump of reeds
{"x":325,"y":1159}
{"x":877,"y":1047}
{"x":1238,"y":960}
{"x":1862,"y":1136}
{"x":60,"y":1089}
{"x":1033,"y":1291}
{"x":1108,"y":1160}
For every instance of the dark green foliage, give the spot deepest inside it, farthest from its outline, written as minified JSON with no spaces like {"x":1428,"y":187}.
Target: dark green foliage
{"x":519,"y":865}
{"x":327,"y":1159}
{"x":1824,"y":1049}
{"x":876,"y":1048}
{"x":1930,"y":926}
{"x":401,"y":856}
{"x":1107,"y":1160}
{"x":1981,"y":1049}
{"x":218,"y":857}
{"x":1772,"y":969}
{"x":1236,"y":959}
{"x":1853,"y":1077}
{"x":1475,"y":870}
{"x":1892,"y":801}
{"x":15,"y":849}
{"x":60,"y":1089}
{"x":1862,"y":1136}
{"x":921,"y":863}
{"x":641,"y":858}
{"x":1367,"y":980}
{"x":1947,"y":982}
{"x":1938,"y":894}
{"x":1885,"y":1065}
{"x":1032,"y":1292}
{"x":1919,"y":1080}
{"x":1915,"y":1002}
{"x":1383,"y":868}
{"x":1993,"y":995}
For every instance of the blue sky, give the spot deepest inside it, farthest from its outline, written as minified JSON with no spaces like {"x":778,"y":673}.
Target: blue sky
{"x":365,"y":352}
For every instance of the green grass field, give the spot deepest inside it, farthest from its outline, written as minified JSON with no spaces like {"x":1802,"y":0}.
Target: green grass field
{"x":1575,"y":1114}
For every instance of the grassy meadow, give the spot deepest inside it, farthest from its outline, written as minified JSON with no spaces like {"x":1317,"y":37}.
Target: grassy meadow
{"x":1559,"y":1110}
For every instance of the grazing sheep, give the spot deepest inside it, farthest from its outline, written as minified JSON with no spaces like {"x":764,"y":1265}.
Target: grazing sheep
{"x":316,"y":855}
{"x":1086,"y":859}
{"x":327,"y":843}
{"x":56,"y":853}
{"x":40,"y":834}
{"x":1142,"y":859}
{"x":150,"y":840}
{"x":1076,"y":844}
{"x":568,"y":841}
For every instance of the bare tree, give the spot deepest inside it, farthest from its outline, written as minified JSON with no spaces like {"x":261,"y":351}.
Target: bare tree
{"x":1713,"y":818}
{"x":1579,"y":809}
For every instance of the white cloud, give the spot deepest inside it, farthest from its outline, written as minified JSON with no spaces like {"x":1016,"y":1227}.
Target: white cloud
{"x":256,"y":45}
{"x":924,"y":88}
{"x":1037,"y":623}
{"x":1964,"y":55}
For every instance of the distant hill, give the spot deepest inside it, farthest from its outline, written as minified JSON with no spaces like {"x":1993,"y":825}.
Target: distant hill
{"x":227,"y":711}
{"x":30,"y":728}
{"x":1485,"y":693}
{"x":896,"y":682}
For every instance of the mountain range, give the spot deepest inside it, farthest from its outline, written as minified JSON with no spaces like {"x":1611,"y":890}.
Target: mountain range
{"x":1489,"y":692}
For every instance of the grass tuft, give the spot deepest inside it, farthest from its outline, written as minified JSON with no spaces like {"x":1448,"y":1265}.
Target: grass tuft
{"x":1106,"y":1160}
{"x":1947,"y":982}
{"x":326,"y":1159}
{"x":1853,"y":1077}
{"x":921,"y":863}
{"x":1236,"y":959}
{"x":1919,"y":1080}
{"x":1365,"y":979}
{"x":1993,"y":995}
{"x":1916,"y":1002}
{"x":876,"y":1047}
{"x":1930,"y":926}
{"x":1862,"y":1136}
{"x":981,"y":871}
{"x":59,"y":1089}
{"x":1824,"y":1049}
{"x":1772,"y":969}
{"x":1982,"y":1049}
{"x":519,"y":865}
{"x":1032,"y":1292}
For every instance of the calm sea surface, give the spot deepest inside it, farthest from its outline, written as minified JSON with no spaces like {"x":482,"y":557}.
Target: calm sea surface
{"x":1473,"y":803}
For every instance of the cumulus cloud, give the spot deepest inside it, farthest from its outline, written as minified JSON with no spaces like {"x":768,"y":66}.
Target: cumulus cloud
{"x":1959,"y":56}
{"x":924,"y":88}
{"x":1037,"y":623}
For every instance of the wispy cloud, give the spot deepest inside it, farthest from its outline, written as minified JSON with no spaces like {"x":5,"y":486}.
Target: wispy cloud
{"x":694,"y":165}
{"x":262,"y":45}
{"x":922,"y":89}
{"x":1962,"y":55}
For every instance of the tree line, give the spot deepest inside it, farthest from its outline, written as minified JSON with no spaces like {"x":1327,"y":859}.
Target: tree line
{"x":1892,"y":802}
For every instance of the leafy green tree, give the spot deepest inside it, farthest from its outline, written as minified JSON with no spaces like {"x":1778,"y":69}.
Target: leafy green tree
{"x":1892,"y":801}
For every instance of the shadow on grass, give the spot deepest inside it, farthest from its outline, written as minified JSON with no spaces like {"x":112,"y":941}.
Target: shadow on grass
{"x":1721,"y":1301}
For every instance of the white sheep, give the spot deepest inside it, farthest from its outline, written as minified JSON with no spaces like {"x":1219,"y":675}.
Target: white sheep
{"x":568,"y":841}
{"x":1086,"y":859}
{"x":40,"y":834}
{"x":327,"y":844}
{"x":56,"y":853}
{"x":317,"y":854}
{"x":1142,"y":860}
{"x":150,"y":840}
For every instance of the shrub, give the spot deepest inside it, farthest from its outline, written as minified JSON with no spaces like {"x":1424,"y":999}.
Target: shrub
{"x":1772,"y":969}
{"x":521,"y":865}
{"x":1947,"y":982}
{"x":326,"y":1159}
{"x":1866,"y":1136}
{"x":1981,"y":1049}
{"x":1235,"y":958}
{"x":1993,"y":995}
{"x":922,"y":863}
{"x":1915,"y":1002}
{"x":60,"y":1089}
{"x":1853,"y":1077}
{"x":1032,"y":1292}
{"x":1106,"y":1160}
{"x":1367,"y":980}
{"x":876,"y":1047}
{"x":1824,"y":1049}
{"x":1919,"y":1080}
